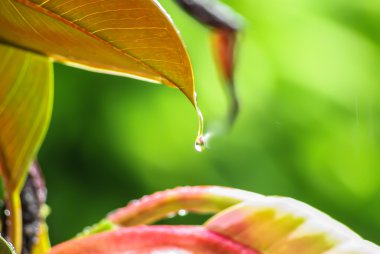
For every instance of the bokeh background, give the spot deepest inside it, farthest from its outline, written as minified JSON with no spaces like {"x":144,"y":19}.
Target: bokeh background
{"x":308,"y":77}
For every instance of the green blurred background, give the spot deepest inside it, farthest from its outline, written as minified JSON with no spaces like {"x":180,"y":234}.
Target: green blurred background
{"x":308,"y":78}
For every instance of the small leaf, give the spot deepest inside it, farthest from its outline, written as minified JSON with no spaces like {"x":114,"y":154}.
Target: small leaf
{"x":225,"y":25}
{"x":134,"y":38}
{"x":225,"y":50}
{"x":275,"y":225}
{"x":25,"y":111}
{"x":200,"y":199}
{"x":153,"y":239}
{"x":5,"y":247}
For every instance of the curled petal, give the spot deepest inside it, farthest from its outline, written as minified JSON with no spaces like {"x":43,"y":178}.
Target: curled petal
{"x":199,"y":199}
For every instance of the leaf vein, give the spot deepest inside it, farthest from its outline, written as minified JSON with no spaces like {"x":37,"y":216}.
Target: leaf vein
{"x":81,"y":6}
{"x":128,"y":28}
{"x":102,"y":12}
{"x":160,"y":60}
{"x":108,"y":20}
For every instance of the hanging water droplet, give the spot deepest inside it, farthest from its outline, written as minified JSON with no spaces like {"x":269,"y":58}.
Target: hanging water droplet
{"x":199,"y":142}
{"x":182,"y":212}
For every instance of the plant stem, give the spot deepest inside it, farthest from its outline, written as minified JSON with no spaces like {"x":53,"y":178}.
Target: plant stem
{"x":15,"y":220}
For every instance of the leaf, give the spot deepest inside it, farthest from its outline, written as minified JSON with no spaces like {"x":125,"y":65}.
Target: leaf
{"x":153,"y":239}
{"x":200,"y":199}
{"x":129,"y":37}
{"x":25,"y":110}
{"x":5,"y":247}
{"x":225,"y":25}
{"x":225,"y":50}
{"x":276,"y":225}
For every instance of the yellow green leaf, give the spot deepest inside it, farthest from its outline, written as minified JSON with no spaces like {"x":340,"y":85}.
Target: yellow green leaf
{"x":130,"y":37}
{"x":25,"y":110}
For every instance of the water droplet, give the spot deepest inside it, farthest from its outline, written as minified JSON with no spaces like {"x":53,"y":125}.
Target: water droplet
{"x":199,"y":142}
{"x":182,"y":212}
{"x":7,"y":212}
{"x":86,"y":231}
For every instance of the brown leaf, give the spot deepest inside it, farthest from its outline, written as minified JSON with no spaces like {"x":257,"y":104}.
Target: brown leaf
{"x":130,"y":37}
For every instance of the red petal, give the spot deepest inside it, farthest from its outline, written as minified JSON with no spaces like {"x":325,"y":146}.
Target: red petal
{"x":153,"y":239}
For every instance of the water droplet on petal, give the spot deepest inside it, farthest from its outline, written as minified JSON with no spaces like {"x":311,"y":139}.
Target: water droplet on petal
{"x":182,"y":212}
